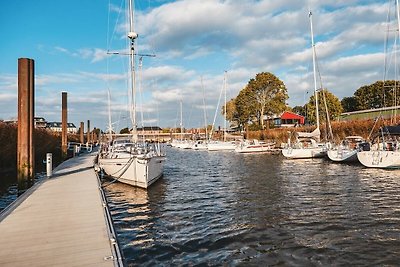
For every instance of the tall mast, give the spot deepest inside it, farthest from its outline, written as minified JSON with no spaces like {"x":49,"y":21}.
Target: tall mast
{"x":395,"y":84}
{"x":314,"y":70}
{"x":110,"y":129}
{"x":181,"y":119}
{"x":132,"y":35}
{"x":204,"y":109}
{"x":225,"y":84}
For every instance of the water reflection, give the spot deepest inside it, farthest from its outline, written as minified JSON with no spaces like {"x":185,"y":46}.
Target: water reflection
{"x":227,"y":208}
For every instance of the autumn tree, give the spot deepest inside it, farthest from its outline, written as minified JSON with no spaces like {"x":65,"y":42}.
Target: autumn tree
{"x":244,"y":108}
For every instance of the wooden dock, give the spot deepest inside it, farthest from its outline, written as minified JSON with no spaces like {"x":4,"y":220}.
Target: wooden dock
{"x":62,"y":221}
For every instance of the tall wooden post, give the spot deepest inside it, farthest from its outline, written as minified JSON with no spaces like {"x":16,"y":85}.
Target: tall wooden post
{"x":81,"y":131}
{"x":26,"y":113}
{"x":64,"y":120}
{"x":95,"y":137}
{"x":88,"y":131}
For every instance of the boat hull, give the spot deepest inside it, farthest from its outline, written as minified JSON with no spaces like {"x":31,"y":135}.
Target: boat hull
{"x":342,"y":155}
{"x":221,"y":146}
{"x":255,"y":149}
{"x":380,"y":159}
{"x":136,"y":171}
{"x":304,"y":153}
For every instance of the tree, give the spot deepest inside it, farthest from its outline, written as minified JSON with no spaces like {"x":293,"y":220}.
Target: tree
{"x":124,"y":131}
{"x":349,"y":104}
{"x":269,"y":94}
{"x":231,"y":112}
{"x":301,"y":110}
{"x":244,"y":108}
{"x":332,"y":102}
{"x":377,"y":95}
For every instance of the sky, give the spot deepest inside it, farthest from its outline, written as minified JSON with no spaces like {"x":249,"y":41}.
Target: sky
{"x":194,"y":42}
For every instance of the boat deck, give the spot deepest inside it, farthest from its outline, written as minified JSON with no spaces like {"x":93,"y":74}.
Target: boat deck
{"x":62,"y":221}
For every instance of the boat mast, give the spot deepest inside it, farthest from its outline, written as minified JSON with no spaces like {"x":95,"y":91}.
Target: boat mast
{"x":204,"y":109}
{"x":225,"y":82}
{"x":181,"y":124}
{"x":314,"y":70}
{"x":132,"y":35}
{"x":396,"y":85}
{"x":110,"y":129}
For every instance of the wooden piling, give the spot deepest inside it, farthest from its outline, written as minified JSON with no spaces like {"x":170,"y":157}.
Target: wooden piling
{"x":81,"y":131}
{"x":26,"y":110}
{"x":64,"y":120}
{"x":88,"y":131}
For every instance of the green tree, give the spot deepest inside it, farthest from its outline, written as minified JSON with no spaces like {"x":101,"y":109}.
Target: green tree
{"x":349,"y":104}
{"x":124,"y":131}
{"x":377,"y":95}
{"x":333,"y":105}
{"x":301,"y":110}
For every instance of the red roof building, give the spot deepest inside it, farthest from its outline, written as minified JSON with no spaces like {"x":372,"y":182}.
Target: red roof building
{"x":289,"y":119}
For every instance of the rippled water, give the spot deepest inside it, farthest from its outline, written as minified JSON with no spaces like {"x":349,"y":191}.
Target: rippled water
{"x":223,"y":208}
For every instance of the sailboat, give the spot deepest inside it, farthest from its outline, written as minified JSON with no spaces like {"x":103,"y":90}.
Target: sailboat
{"x":217,"y":144}
{"x":384,"y":152}
{"x":124,"y":157}
{"x":347,"y":150}
{"x":308,"y":144}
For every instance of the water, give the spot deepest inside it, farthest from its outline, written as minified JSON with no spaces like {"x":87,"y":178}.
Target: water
{"x":223,"y":208}
{"x":9,"y":190}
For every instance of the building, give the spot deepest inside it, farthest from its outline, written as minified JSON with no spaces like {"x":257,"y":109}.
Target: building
{"x":57,"y":127}
{"x":40,"y":123}
{"x":288,"y":119}
{"x":149,"y":130}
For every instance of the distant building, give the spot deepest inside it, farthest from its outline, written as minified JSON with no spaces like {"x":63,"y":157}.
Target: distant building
{"x":149,"y":130}
{"x":40,"y":123}
{"x":57,"y":127}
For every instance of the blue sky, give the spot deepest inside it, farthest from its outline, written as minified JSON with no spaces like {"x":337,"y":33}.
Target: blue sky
{"x":193,"y":41}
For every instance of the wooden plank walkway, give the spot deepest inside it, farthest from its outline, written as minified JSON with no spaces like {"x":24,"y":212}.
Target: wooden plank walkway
{"x":61,"y":222}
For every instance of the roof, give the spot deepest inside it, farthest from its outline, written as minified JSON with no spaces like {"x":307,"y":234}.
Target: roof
{"x":149,"y":128}
{"x":59,"y":124}
{"x":290,"y":115}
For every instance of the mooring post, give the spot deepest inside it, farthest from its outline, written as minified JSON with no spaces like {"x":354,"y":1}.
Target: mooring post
{"x":88,"y":132}
{"x":81,"y":131}
{"x":64,"y":120}
{"x":26,"y":110}
{"x":49,"y":164}
{"x":95,"y":137}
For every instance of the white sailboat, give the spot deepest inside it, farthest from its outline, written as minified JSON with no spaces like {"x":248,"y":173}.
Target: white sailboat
{"x":255,"y":146}
{"x":347,"y":150}
{"x":384,"y":152}
{"x":217,"y":144}
{"x":308,"y":144}
{"x":124,"y":158}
